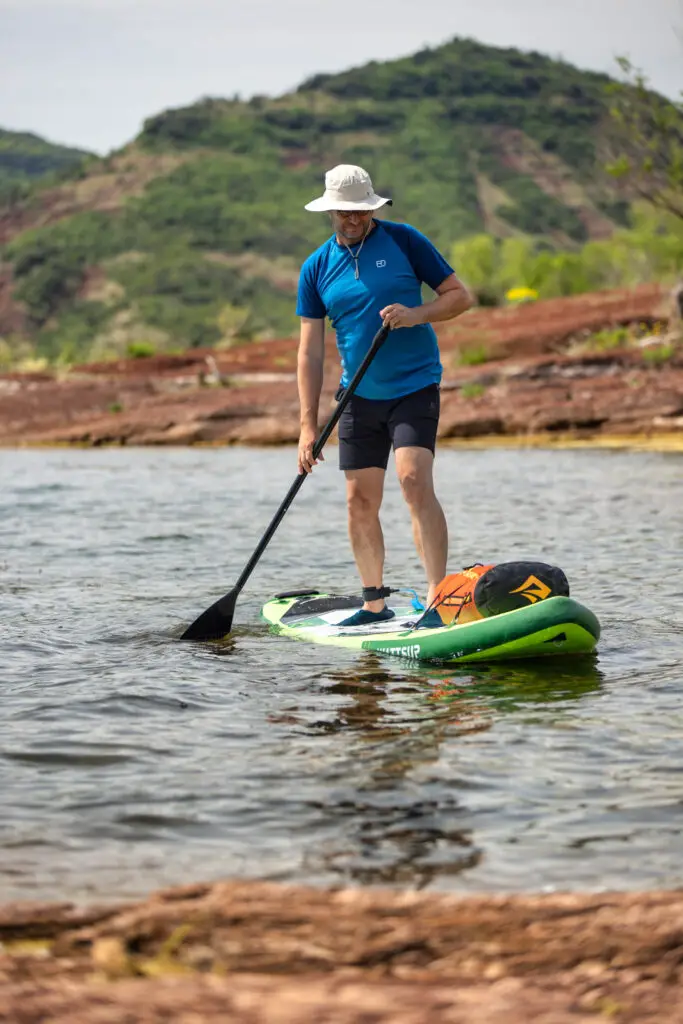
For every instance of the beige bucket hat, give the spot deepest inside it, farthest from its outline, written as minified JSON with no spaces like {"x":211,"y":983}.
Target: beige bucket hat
{"x":347,"y":187}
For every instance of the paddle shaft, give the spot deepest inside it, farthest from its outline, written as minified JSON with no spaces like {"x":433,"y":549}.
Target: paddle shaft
{"x":377,"y":343}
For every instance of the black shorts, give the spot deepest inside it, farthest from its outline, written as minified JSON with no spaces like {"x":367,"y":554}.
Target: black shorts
{"x":368,"y":428}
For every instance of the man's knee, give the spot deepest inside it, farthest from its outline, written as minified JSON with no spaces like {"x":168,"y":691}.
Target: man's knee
{"x":417,"y":490}
{"x":362,"y":502}
{"x":362,"y":506}
{"x":415,"y":478}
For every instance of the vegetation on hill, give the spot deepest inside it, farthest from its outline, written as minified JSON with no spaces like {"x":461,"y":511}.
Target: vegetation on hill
{"x":194,"y":233}
{"x":25,"y":157}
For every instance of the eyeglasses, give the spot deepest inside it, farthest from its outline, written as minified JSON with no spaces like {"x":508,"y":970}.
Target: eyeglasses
{"x":345,"y":214}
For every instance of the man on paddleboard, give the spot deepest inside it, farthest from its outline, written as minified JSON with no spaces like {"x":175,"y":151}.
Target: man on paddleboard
{"x":370,"y":273}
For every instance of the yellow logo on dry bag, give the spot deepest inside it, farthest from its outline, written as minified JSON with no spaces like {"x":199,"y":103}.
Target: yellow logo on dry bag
{"x":533,"y":590}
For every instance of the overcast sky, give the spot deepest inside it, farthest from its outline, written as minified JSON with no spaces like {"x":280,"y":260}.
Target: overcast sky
{"x":87,"y":72}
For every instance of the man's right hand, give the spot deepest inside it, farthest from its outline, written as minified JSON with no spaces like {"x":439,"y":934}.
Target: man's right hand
{"x":307,"y":439}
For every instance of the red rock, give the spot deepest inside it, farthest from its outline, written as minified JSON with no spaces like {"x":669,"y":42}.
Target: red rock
{"x":531,"y":385}
{"x":259,"y":952}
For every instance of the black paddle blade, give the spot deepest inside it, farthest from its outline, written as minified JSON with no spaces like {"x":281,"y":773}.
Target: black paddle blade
{"x":216,"y":621}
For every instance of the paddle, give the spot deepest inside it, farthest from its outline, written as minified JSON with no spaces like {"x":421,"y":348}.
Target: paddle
{"x":216,"y":621}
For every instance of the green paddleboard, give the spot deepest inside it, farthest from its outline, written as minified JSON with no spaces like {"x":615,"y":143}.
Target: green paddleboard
{"x":558,"y":625}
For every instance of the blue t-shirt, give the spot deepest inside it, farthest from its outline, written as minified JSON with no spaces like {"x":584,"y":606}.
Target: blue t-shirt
{"x":393,"y":263}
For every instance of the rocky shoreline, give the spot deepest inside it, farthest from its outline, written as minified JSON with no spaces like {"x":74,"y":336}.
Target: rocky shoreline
{"x":257,"y":952}
{"x":530,"y":375}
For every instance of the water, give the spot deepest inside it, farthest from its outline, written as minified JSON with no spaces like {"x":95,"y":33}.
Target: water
{"x":129,"y":760}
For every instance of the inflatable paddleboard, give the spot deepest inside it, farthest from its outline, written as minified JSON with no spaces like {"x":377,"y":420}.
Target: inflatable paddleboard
{"x":557,"y":625}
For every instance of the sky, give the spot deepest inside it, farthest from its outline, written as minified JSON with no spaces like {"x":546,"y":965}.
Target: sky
{"x":88,"y":72}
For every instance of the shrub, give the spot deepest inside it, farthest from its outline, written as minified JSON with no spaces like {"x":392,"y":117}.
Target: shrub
{"x":608,"y":339}
{"x":655,"y":355}
{"x":472,"y":355}
{"x":140,"y":349}
{"x":472,"y":390}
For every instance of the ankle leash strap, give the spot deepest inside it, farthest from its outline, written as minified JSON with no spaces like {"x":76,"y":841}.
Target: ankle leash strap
{"x":376,"y":593}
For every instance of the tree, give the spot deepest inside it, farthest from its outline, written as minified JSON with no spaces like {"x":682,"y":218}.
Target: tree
{"x":644,"y":141}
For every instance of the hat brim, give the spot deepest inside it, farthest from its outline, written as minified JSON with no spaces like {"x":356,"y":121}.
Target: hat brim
{"x":323,"y":205}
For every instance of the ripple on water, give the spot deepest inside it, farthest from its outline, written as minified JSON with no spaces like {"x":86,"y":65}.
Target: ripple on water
{"x":129,"y":760}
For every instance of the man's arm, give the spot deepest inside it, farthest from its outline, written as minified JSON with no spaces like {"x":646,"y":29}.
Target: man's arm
{"x":310,"y":363}
{"x":452,"y":299}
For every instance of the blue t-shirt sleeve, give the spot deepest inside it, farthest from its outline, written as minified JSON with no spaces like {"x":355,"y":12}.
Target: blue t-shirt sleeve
{"x":308,"y":301}
{"x":428,"y":263}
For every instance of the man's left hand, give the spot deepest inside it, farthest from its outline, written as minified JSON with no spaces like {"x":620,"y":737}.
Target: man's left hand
{"x":397,"y":315}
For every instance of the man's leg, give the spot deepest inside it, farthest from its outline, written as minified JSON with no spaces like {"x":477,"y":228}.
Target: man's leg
{"x":415,"y":470}
{"x":364,"y":490}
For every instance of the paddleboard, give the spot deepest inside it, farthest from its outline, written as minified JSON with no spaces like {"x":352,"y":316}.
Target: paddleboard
{"x":556,"y":626}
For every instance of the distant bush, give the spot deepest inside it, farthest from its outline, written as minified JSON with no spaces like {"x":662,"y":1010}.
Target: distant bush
{"x":140,"y":349}
{"x":47,"y":280}
{"x":655,"y":355}
{"x":472,"y":355}
{"x":651,"y":249}
{"x":187,"y":126}
{"x":605,"y":340}
{"x":472,"y":390}
{"x":68,"y":338}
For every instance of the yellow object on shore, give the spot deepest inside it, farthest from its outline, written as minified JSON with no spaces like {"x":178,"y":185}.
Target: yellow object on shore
{"x":521,"y":295}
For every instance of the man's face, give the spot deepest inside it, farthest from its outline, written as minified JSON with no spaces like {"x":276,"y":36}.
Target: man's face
{"x":351,"y":225}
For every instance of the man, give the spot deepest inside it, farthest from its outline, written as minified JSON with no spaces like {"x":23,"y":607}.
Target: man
{"x":368,"y":273}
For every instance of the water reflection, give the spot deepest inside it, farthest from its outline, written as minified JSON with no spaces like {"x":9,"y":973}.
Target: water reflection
{"x":393,"y":832}
{"x":512,"y":686}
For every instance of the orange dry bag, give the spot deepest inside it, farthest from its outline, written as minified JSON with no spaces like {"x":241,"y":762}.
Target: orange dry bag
{"x":454,"y":598}
{"x":480,"y":591}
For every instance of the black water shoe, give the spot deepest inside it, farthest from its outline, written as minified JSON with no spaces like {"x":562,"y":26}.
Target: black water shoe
{"x":365,"y":618}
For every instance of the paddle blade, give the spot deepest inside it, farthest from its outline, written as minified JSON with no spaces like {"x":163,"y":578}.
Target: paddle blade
{"x":215,"y":622}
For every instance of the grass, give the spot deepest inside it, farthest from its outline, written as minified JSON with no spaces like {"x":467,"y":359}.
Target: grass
{"x":605,"y":340}
{"x":472,"y":390}
{"x":656,"y":355}
{"x":140,"y":349}
{"x":472,"y":355}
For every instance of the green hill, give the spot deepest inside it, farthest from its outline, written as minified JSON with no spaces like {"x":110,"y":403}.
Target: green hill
{"x":25,"y":157}
{"x":194,"y":232}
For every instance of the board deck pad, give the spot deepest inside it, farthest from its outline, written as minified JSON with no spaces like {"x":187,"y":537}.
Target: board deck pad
{"x":320,"y":606}
{"x":557,"y":625}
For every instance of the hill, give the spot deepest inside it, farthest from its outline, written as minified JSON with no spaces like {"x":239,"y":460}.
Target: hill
{"x":193,"y":234}
{"x":25,"y":157}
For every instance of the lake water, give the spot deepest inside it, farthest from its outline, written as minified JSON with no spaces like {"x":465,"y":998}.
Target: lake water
{"x":129,"y":760}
